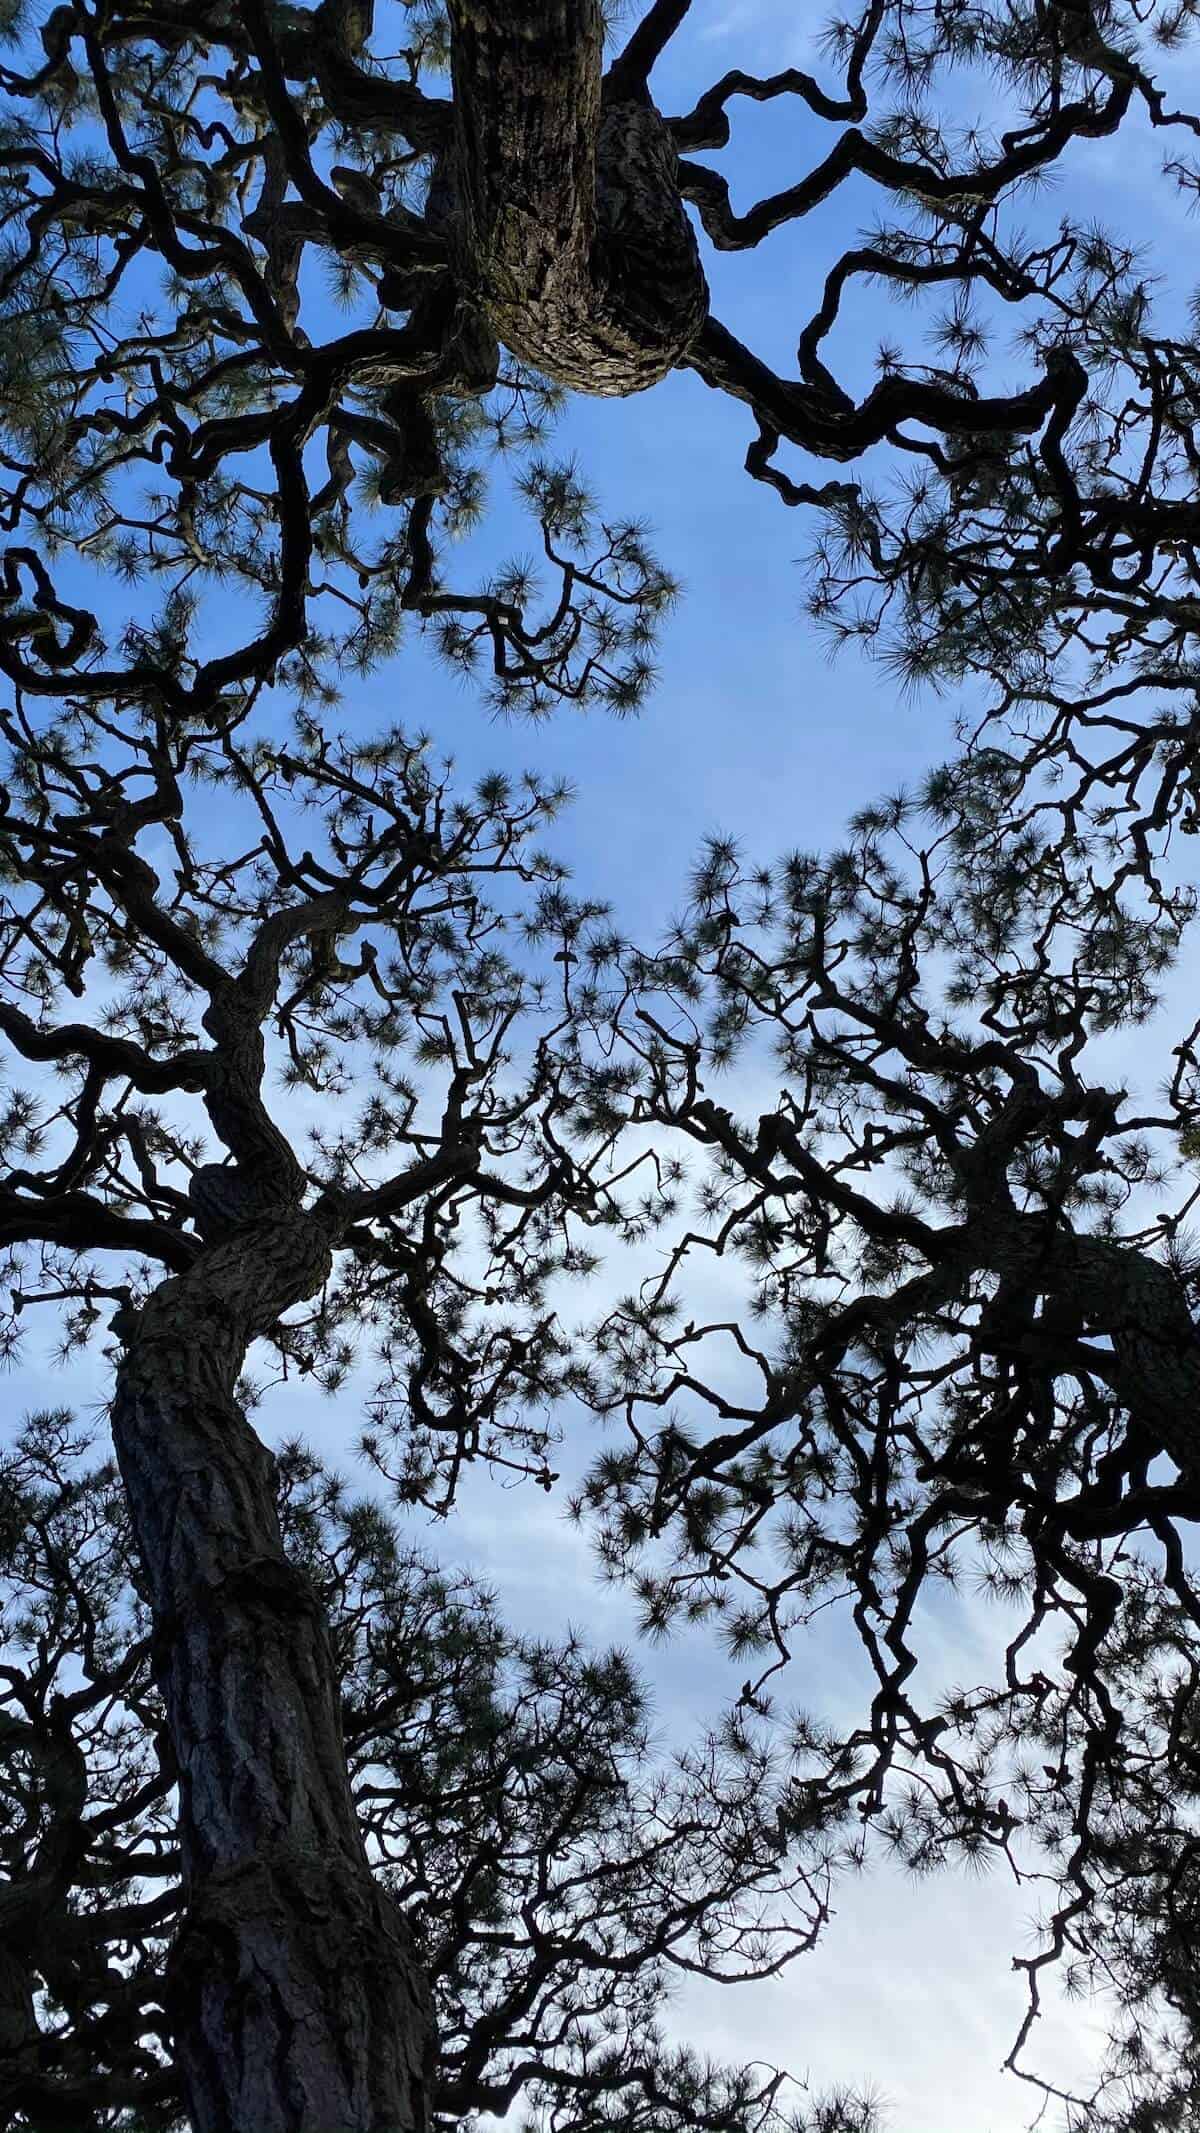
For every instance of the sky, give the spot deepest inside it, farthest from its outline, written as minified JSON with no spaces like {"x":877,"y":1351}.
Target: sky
{"x":753,"y":732}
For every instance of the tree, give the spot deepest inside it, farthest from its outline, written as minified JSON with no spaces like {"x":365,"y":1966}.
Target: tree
{"x":965,"y":1352}
{"x":528,"y":234}
{"x":365,"y":947}
{"x":974,"y":1346}
{"x":552,"y":1877}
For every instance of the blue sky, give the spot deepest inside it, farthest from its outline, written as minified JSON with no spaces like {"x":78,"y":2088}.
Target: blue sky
{"x":753,"y":732}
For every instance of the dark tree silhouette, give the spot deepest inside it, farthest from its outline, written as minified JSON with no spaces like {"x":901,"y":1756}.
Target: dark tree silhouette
{"x":967,"y":1350}
{"x":180,"y":409}
{"x":336,"y":935}
{"x":534,"y":226}
{"x":552,"y":1873}
{"x":962,"y":1348}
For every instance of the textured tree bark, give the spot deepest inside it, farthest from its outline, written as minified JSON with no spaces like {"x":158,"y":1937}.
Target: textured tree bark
{"x":297,"y":2002}
{"x":572,"y":236}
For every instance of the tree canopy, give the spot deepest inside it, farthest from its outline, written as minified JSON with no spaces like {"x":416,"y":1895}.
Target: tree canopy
{"x":322,"y":1058}
{"x":193,"y":190}
{"x":966,"y":1357}
{"x":553,"y":1877}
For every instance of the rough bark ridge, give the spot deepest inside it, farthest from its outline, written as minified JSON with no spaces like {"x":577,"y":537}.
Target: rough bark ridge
{"x":572,"y":235}
{"x":297,"y":2002}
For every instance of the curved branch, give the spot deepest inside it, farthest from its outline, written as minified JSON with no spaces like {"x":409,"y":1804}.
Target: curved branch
{"x":828,"y":424}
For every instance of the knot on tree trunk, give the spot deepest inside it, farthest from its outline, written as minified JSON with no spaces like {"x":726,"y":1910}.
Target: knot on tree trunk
{"x":613,"y":315}
{"x":650,"y":294}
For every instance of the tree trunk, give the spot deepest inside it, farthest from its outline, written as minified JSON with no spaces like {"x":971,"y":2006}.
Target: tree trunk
{"x":1109,"y":1292}
{"x":572,"y":236}
{"x":1140,"y":1305}
{"x":298,"y":2006}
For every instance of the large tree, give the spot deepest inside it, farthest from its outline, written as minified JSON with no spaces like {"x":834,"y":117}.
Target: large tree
{"x":554,"y":1872}
{"x":179,"y":402}
{"x":322,"y":927}
{"x":956,"y":1344}
{"x":179,"y":409}
{"x":966,"y":1350}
